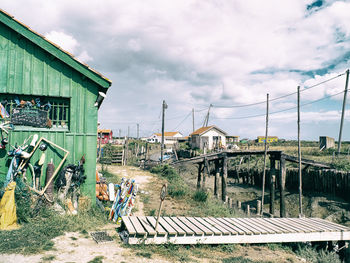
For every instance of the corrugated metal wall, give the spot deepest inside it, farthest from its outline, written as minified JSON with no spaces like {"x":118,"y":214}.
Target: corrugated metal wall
{"x":27,"y":69}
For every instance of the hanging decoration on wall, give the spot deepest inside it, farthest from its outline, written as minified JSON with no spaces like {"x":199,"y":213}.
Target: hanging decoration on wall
{"x":29,"y":117}
{"x":27,"y":112}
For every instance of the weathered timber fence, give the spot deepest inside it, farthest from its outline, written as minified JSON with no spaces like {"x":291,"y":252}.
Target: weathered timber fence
{"x":327,"y":181}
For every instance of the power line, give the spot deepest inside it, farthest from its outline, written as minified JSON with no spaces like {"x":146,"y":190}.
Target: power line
{"x":279,"y":111}
{"x":182,"y":121}
{"x":280,"y":97}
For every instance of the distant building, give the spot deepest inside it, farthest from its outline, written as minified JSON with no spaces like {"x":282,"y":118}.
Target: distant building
{"x":210,"y":137}
{"x":169,"y":137}
{"x":326,"y":142}
{"x":261,"y":139}
{"x":105,"y":136}
{"x":232,"y":139}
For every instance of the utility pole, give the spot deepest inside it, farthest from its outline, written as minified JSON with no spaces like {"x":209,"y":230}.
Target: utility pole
{"x":343,"y":111}
{"x":265,"y":154}
{"x":206,"y":120}
{"x":138,"y":130}
{"x":120,"y":133}
{"x":299,"y":156}
{"x":192,"y":119}
{"x":164,"y":106}
{"x":128,"y":131}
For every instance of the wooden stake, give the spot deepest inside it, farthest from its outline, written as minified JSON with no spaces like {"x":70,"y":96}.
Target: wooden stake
{"x":164,"y":106}
{"x":199,"y":178}
{"x":224,"y":178}
{"x":272,"y":194}
{"x":266,"y":134}
{"x":343,"y":111}
{"x":299,"y":156}
{"x":282,"y":176}
{"x":216,"y":181}
{"x":162,"y":198}
{"x":258,"y":207}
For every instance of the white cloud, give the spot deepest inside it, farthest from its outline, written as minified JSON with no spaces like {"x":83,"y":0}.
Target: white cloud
{"x":84,"y":57}
{"x":196,"y":52}
{"x":65,"y":41}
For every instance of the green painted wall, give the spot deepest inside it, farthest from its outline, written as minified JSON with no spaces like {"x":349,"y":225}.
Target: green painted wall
{"x":29,"y":70}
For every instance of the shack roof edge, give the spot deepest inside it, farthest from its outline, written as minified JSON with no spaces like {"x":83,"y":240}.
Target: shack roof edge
{"x":54,"y":49}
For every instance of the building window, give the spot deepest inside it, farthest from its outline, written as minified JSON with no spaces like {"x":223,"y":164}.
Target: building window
{"x":35,"y":111}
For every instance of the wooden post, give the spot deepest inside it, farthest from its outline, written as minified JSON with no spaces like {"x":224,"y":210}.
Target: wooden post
{"x":272,"y":194}
{"x":248,"y":210}
{"x":216,"y":180}
{"x":343,"y":111}
{"x":299,"y":157}
{"x":258,"y":207}
{"x":205,"y":171}
{"x":272,"y":184}
{"x":266,"y":134}
{"x":282,"y":176}
{"x":224,"y":177}
{"x":199,"y":179}
{"x":126,"y":145}
{"x":192,"y":119}
{"x":164,"y":106}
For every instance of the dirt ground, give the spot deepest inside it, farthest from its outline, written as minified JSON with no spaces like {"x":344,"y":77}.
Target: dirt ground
{"x":77,"y":247}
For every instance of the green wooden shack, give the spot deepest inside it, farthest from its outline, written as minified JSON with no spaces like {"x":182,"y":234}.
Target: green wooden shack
{"x":32,"y":69}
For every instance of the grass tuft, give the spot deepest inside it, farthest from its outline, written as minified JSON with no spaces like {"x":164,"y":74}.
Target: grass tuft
{"x":98,"y":259}
{"x":200,"y":196}
{"x":177,"y":187}
{"x":314,"y":256}
{"x":36,"y":235}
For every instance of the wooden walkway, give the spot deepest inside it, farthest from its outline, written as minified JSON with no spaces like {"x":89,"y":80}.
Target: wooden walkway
{"x":209,"y":230}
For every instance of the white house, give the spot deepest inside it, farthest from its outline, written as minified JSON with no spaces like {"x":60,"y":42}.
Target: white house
{"x":169,"y":137}
{"x":210,"y":137}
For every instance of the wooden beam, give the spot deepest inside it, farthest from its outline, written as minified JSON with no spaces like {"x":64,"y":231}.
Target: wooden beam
{"x":282,"y":175}
{"x":224,"y":178}
{"x":216,"y":181}
{"x":199,"y":178}
{"x":272,"y":185}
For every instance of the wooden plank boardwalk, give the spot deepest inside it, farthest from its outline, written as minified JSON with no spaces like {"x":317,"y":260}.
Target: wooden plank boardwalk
{"x":210,"y":230}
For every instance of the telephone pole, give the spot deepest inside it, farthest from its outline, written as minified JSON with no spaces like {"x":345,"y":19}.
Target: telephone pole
{"x":343,"y":111}
{"x":164,"y":106}
{"x":299,"y":157}
{"x":206,"y":120}
{"x":138,"y":130}
{"x":265,"y":154}
{"x":192,"y":119}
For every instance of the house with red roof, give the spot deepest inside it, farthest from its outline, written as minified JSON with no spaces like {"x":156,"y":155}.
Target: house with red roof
{"x":169,"y":137}
{"x":209,"y":138}
{"x":105,"y":136}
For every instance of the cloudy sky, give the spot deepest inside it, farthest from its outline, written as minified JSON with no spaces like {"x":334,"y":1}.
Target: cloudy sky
{"x":193,"y":53}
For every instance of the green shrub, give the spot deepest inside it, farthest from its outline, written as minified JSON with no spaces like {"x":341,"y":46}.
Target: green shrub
{"x":176,"y":184}
{"x":200,"y":196}
{"x":314,"y":256}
